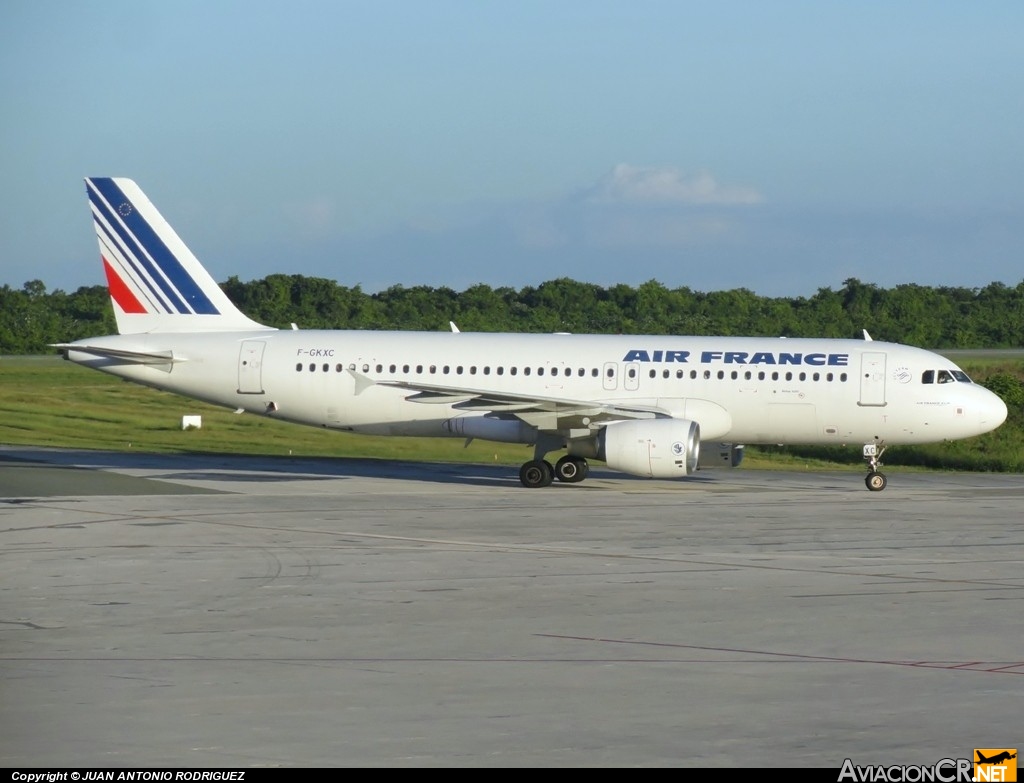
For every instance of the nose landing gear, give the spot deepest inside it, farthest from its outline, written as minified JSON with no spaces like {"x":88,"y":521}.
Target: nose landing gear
{"x":875,"y":480}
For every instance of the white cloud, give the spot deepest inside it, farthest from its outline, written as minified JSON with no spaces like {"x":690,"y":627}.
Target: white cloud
{"x":627,"y":184}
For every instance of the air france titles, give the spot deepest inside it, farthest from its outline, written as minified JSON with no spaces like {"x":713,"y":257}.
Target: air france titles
{"x":741,"y":357}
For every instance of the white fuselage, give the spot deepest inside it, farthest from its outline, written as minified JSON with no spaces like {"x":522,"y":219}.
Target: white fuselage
{"x":739,"y":389}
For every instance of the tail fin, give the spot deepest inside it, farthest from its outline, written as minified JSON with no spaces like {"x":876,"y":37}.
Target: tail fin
{"x":156,"y":283}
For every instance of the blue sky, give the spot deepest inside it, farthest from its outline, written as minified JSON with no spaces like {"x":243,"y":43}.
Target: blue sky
{"x":776,"y":146}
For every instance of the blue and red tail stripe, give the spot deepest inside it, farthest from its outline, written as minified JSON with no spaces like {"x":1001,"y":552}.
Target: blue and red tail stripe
{"x":120,"y":292}
{"x":154,"y":267}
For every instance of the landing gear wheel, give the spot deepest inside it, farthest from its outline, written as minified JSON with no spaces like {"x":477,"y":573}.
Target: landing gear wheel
{"x":536,"y":473}
{"x":571,"y":469}
{"x":876,"y":481}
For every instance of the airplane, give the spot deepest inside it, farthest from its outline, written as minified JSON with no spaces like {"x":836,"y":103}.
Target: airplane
{"x":1004,"y":756}
{"x":644,"y":405}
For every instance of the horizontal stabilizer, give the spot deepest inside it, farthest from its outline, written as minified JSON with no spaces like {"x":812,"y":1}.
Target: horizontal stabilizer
{"x":121,"y":355}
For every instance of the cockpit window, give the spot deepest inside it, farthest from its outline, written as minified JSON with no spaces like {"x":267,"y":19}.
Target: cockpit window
{"x":945,"y":376}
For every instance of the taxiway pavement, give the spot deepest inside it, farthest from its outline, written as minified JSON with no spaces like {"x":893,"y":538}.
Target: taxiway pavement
{"x":195,"y":611}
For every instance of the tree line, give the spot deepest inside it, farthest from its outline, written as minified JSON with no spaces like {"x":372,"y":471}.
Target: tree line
{"x":930,"y":317}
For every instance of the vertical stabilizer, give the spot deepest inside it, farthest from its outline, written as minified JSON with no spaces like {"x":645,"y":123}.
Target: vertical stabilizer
{"x":156,"y":283}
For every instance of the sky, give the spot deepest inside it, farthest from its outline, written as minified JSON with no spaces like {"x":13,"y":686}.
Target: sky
{"x":780,"y":147}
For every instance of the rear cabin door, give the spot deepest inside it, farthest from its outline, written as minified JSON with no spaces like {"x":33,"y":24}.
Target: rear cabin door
{"x":250,"y":367}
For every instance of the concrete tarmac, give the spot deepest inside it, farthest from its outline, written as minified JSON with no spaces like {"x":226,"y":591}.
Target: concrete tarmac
{"x":233,"y":612}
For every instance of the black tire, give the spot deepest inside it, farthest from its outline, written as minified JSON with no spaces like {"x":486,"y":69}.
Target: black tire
{"x":571,"y":469}
{"x":536,"y":473}
{"x":875,"y":481}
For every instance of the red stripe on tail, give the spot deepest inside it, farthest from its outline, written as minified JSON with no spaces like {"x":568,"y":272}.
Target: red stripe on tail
{"x":120,"y":292}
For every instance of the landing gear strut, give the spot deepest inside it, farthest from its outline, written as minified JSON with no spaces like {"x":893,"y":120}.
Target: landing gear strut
{"x":875,"y":480}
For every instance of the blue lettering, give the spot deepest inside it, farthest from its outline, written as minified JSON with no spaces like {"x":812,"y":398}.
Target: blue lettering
{"x":838,"y":359}
{"x":709,"y":356}
{"x":637,"y":356}
{"x":735,"y":357}
{"x":762,"y":357}
{"x":816,"y":359}
{"x":789,"y":358}
{"x":676,"y":356}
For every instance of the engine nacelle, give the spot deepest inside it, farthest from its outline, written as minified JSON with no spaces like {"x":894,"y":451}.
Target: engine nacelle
{"x":654,"y":448}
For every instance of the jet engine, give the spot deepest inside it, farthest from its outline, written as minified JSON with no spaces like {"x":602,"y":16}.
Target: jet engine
{"x":655,"y":448}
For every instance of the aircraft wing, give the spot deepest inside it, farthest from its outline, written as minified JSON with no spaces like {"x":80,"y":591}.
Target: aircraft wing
{"x":549,"y":414}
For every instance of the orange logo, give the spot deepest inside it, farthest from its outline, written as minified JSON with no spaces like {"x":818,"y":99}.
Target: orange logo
{"x":995,"y":765}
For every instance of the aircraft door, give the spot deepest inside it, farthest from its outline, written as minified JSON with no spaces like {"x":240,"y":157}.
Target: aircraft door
{"x":609,"y":377}
{"x":631,"y":376}
{"x":872,"y":378}
{"x":250,"y":367}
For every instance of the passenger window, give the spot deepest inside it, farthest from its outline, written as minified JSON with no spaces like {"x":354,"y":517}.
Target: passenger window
{"x":540,"y":371}
{"x":526,"y":371}
{"x":298,"y":367}
{"x":337,"y":367}
{"x":326,"y":367}
{"x":312,"y":367}
{"x":554,"y":371}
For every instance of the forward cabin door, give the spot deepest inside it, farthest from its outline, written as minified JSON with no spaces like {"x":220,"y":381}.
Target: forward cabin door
{"x":872,"y":378}
{"x":250,"y":367}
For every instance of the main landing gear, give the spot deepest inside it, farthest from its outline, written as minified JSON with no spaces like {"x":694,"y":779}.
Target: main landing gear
{"x":540,"y":473}
{"x":875,"y":480}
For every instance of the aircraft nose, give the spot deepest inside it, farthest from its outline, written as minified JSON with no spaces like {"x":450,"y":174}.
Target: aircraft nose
{"x":993,"y":411}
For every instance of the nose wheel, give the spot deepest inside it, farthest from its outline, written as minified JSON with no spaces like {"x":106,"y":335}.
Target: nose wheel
{"x":875,"y":480}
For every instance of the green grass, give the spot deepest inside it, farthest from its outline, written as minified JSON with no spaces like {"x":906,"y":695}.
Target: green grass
{"x":45,"y":401}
